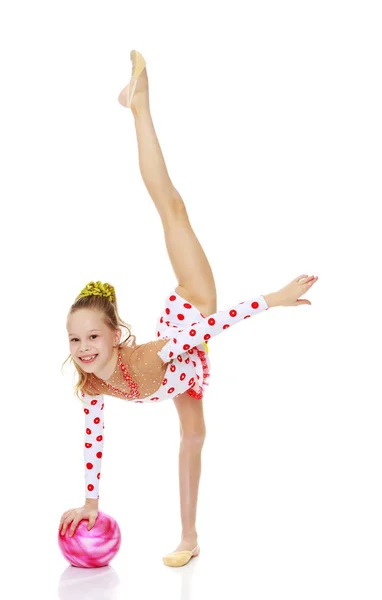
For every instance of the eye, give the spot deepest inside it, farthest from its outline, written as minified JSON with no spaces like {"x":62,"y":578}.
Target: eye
{"x":76,"y":339}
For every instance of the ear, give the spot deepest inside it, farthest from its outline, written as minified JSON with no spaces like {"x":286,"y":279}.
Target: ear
{"x":118,"y":335}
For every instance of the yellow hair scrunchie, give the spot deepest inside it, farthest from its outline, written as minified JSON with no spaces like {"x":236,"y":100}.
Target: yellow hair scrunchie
{"x":98,"y":289}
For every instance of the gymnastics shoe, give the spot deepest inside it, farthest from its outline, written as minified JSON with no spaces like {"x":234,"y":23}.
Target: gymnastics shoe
{"x":138,"y":66}
{"x":179,"y":559}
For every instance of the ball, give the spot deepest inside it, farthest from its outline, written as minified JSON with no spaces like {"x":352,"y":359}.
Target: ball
{"x":94,"y":548}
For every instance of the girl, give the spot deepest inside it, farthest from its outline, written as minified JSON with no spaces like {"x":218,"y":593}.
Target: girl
{"x":174,"y":366}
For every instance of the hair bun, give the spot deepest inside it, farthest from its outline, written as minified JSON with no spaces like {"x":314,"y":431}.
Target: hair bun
{"x":98,"y":289}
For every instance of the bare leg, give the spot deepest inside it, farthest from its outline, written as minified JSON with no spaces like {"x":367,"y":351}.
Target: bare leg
{"x":190,"y":264}
{"x":192,"y":437}
{"x":196,"y":284}
{"x":151,"y":161}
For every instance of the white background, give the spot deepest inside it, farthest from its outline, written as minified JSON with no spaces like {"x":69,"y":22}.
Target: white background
{"x":269,"y":118}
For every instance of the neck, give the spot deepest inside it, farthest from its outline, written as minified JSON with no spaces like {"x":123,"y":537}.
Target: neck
{"x":107,"y":371}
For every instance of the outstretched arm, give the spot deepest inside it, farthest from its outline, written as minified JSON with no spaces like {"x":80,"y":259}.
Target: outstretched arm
{"x":201,"y":331}
{"x":179,"y":341}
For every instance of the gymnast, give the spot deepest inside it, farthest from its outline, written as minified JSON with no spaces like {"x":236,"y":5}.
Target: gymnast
{"x":175,"y":365}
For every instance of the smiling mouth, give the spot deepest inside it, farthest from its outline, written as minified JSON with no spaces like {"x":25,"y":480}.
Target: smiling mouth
{"x":88,"y":359}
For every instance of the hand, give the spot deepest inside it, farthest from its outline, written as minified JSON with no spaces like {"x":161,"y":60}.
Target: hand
{"x":75,"y":515}
{"x":288,"y":295}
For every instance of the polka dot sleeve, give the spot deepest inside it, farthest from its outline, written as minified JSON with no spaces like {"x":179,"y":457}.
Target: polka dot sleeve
{"x":93,"y":443}
{"x":202,"y":331}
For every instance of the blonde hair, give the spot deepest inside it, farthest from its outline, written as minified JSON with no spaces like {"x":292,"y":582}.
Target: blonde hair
{"x":101,"y":298}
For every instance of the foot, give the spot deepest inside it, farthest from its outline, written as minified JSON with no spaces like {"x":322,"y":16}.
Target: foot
{"x":141,"y":94}
{"x":187,"y":549}
{"x":188,"y":544}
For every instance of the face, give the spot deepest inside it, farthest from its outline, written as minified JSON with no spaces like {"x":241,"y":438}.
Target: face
{"x":89,"y":336}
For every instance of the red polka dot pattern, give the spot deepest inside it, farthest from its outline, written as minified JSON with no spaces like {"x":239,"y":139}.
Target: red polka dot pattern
{"x":183,"y":325}
{"x":93,"y":447}
{"x":187,"y":332}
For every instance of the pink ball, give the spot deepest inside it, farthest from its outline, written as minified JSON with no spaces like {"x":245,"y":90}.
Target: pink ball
{"x":94,"y":548}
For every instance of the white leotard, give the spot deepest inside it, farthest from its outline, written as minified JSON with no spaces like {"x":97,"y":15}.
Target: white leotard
{"x":187,"y":331}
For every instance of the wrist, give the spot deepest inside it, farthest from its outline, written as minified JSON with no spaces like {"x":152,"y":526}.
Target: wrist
{"x":272,"y":300}
{"x":91,"y":502}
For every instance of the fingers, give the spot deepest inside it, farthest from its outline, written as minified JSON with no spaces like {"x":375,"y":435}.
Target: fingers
{"x":73,"y":527}
{"x":63,"y":519}
{"x":308,"y":280}
{"x":66,"y":519}
{"x":64,"y":527}
{"x":66,"y":524}
{"x":91,"y":524}
{"x":302,"y":302}
{"x":71,"y":517}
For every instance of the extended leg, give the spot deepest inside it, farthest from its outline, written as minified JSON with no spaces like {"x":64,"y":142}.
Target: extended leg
{"x":188,"y":259}
{"x":190,"y":264}
{"x":153,"y":167}
{"x":151,"y":162}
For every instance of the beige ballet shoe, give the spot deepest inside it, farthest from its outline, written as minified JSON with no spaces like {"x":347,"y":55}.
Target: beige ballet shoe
{"x":139,"y":64}
{"x":179,"y":559}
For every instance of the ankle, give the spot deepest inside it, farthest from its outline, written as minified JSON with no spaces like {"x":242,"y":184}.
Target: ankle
{"x":189,"y":535}
{"x":139,"y":109}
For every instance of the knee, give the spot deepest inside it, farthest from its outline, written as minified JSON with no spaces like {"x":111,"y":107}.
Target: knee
{"x":179,"y":206}
{"x":193,"y":440}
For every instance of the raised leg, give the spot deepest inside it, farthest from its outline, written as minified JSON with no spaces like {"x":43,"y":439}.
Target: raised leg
{"x":190,"y":264}
{"x":153,"y":167}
